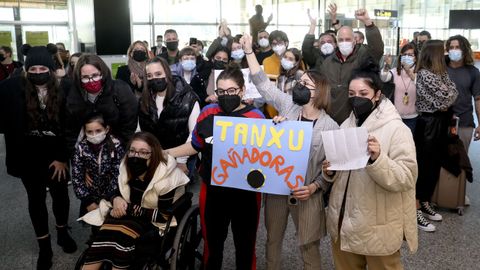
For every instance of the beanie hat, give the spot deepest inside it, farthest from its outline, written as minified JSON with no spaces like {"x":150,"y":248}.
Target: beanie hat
{"x":39,"y":55}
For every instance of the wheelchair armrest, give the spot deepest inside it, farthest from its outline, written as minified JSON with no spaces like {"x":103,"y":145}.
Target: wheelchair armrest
{"x":179,"y":204}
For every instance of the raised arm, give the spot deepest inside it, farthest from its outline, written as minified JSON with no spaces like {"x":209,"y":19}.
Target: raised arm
{"x":309,"y":52}
{"x":374,"y":38}
{"x":267,"y":89}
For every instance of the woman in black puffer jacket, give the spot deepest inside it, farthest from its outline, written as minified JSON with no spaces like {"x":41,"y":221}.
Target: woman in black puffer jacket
{"x":168,"y":108}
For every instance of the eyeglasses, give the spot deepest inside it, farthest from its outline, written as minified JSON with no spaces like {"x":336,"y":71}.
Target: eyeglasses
{"x":230,"y":91}
{"x":305,"y":84}
{"x":141,"y":153}
{"x":94,"y":77}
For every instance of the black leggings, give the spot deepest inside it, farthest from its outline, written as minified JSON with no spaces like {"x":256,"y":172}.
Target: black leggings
{"x":36,"y":183}
{"x":431,"y":144}
{"x":220,"y":207}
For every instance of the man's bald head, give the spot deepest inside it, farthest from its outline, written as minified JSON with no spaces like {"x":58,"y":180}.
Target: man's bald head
{"x":345,"y":34}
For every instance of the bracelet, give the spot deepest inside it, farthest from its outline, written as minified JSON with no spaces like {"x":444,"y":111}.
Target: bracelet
{"x":249,"y":52}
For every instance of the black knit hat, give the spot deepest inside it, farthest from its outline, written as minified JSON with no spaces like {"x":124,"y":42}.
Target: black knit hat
{"x":39,"y":55}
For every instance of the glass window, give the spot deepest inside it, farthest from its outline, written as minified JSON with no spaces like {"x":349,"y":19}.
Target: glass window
{"x":166,"y":11}
{"x":44,"y":15}
{"x":6,"y":14}
{"x":141,"y":32}
{"x":140,"y":10}
{"x":55,"y":33}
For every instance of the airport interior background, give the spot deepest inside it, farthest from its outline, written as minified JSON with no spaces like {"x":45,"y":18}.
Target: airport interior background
{"x":80,"y":23}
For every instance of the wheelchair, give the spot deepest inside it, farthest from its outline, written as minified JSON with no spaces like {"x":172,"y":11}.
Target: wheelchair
{"x":178,"y":248}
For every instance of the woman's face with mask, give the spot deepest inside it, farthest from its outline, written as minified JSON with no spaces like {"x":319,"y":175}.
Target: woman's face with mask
{"x":359,"y":88}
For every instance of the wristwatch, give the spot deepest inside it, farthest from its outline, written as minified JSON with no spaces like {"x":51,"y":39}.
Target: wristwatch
{"x":335,"y":22}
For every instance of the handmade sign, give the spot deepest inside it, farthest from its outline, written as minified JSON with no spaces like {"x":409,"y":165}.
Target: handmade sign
{"x":257,"y":155}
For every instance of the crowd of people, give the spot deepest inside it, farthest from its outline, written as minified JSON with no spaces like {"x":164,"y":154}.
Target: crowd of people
{"x":132,"y":143}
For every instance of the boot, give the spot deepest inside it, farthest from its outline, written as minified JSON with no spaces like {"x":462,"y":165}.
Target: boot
{"x":44,"y":261}
{"x":65,"y":240}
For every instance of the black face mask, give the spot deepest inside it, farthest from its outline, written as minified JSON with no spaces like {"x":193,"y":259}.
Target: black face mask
{"x":38,"y":78}
{"x":2,"y":57}
{"x":172,"y":45}
{"x":218,"y":64}
{"x":139,"y":56}
{"x":229,"y":103}
{"x":157,"y":85}
{"x":137,"y":166}
{"x":300,"y":94}
{"x":361,"y":106}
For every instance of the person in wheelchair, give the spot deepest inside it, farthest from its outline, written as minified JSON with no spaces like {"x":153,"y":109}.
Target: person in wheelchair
{"x":149,"y":184}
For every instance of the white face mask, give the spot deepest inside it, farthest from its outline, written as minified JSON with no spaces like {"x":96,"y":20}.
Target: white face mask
{"x":279,"y":49}
{"x":346,"y":48}
{"x":263,"y":42}
{"x":97,"y":138}
{"x":327,"y":48}
{"x":287,"y":64}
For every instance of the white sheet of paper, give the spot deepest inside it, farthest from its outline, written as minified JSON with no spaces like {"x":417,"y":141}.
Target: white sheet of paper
{"x":346,"y":149}
{"x":251,"y":91}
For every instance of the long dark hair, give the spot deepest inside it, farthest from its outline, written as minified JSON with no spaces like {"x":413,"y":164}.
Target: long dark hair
{"x":53,"y":101}
{"x":464,"y":46}
{"x":147,"y":99}
{"x":298,"y":58}
{"x":156,"y":156}
{"x":432,"y":57}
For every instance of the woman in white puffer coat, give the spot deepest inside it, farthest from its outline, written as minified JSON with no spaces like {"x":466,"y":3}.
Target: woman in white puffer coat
{"x":372,"y":210}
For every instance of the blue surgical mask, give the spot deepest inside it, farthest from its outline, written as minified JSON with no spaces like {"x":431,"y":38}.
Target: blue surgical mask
{"x":287,"y":64}
{"x":455,"y":55}
{"x":238,"y":54}
{"x":188,"y":65}
{"x":407,"y":60}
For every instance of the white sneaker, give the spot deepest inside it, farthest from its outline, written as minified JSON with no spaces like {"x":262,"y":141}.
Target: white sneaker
{"x":467,"y":201}
{"x":429,"y":212}
{"x":423,"y":224}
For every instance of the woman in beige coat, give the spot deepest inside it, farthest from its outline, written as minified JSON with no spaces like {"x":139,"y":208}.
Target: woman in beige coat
{"x":372,"y":210}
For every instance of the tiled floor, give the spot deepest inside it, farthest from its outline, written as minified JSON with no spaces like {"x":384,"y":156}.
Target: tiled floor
{"x":456,"y":244}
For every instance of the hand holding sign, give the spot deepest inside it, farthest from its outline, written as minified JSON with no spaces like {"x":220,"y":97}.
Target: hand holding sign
{"x":257,"y":155}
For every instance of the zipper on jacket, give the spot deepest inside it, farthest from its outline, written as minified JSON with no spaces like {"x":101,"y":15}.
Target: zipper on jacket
{"x":342,"y":209}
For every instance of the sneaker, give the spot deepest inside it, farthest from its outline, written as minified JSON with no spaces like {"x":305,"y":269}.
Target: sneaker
{"x":423,"y":224}
{"x":429,"y":212}
{"x":467,"y":201}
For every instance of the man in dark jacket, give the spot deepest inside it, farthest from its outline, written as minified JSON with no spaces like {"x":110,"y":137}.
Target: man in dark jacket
{"x":8,"y":65}
{"x":349,"y":56}
{"x":171,"y":53}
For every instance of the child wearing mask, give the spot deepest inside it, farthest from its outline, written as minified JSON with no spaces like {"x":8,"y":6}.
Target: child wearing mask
{"x":291,"y":70}
{"x":95,"y":164}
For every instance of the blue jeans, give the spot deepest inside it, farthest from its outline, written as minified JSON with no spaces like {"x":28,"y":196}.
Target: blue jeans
{"x":411,"y":123}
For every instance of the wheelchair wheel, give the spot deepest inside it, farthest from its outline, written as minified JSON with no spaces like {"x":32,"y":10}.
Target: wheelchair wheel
{"x":187,"y":240}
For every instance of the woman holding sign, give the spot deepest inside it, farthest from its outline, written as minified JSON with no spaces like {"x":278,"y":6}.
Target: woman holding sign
{"x":309,"y":102}
{"x":220,"y":206}
{"x":372,"y":210}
